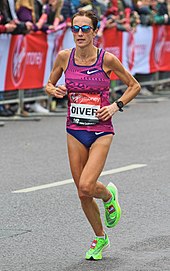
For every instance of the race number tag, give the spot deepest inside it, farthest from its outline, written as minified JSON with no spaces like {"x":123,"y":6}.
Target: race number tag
{"x":83,"y":108}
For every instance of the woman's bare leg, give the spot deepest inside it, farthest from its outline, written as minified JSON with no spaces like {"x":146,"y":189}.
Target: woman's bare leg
{"x":86,"y":166}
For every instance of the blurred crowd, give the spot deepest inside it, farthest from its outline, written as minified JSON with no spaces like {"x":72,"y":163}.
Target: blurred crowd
{"x":23,"y":16}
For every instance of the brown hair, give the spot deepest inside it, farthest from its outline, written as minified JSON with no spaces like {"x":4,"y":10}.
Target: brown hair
{"x":59,"y":6}
{"x":90,"y":14}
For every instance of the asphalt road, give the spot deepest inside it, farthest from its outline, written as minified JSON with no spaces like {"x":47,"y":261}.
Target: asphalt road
{"x":46,"y":230}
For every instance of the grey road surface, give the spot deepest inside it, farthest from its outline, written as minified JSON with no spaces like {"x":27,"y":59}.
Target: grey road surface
{"x":46,"y":230}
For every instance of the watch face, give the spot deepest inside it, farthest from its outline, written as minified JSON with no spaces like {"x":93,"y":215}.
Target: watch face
{"x":120,"y":104}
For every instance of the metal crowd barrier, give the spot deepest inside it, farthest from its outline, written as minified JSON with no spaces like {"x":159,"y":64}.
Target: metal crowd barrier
{"x":20,"y":97}
{"x":156,"y":84}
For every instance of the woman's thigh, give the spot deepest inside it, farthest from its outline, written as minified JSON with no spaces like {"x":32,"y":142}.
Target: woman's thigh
{"x":96,"y":160}
{"x":78,"y":156}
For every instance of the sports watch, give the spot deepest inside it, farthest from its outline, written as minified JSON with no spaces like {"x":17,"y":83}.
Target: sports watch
{"x":120,"y":105}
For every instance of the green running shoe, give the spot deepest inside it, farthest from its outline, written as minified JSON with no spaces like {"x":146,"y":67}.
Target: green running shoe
{"x":112,"y":209}
{"x":97,"y":247}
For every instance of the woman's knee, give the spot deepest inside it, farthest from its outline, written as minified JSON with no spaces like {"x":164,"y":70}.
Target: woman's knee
{"x":85,"y":190}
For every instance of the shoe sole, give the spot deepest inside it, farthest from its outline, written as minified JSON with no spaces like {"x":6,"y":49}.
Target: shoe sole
{"x":118,"y":209}
{"x":105,"y":249}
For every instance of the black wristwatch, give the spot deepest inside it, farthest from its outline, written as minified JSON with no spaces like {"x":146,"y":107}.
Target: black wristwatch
{"x":120,"y":105}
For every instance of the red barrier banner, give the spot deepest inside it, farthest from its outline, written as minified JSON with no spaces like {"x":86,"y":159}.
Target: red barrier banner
{"x":112,"y":42}
{"x":26,"y":61}
{"x":145,"y":51}
{"x":161,"y":47}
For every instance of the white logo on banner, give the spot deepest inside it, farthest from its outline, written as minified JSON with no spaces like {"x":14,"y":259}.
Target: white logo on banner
{"x":19,"y":58}
{"x":34,"y":58}
{"x":160,"y":45}
{"x":130,"y":50}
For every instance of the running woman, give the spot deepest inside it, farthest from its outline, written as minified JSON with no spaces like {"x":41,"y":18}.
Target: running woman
{"x":89,"y":125}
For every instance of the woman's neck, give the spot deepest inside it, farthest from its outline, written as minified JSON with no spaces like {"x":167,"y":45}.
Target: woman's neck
{"x":84,"y":54}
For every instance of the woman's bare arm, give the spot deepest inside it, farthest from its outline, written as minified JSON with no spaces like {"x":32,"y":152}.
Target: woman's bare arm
{"x":112,"y":64}
{"x":59,"y":67}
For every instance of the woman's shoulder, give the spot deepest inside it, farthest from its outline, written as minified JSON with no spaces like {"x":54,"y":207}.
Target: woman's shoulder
{"x":64,"y":54}
{"x":110,"y":58}
{"x":63,"y":58}
{"x":110,"y":62}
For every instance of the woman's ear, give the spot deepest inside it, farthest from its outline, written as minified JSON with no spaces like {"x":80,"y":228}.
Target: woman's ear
{"x":98,"y":26}
{"x":95,"y":32}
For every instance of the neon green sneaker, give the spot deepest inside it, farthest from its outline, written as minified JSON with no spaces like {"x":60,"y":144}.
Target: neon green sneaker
{"x":112,"y":209}
{"x":97,"y":247}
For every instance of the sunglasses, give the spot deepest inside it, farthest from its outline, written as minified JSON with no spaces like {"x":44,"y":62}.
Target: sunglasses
{"x":84,"y":28}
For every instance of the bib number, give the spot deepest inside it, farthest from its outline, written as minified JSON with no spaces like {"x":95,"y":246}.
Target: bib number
{"x":83,"y":108}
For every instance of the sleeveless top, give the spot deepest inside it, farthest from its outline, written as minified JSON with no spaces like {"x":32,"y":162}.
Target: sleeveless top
{"x":88,"y":90}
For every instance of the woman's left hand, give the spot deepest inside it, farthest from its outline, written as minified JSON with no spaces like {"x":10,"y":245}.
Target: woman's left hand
{"x":106,"y":112}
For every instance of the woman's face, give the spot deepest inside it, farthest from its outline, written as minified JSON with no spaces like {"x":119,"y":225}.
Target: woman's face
{"x":83,"y":39}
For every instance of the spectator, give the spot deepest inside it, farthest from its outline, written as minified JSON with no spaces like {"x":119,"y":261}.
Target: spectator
{"x":96,"y":5}
{"x":5,"y":27}
{"x":26,"y":13}
{"x":11,"y":16}
{"x":11,"y":4}
{"x":38,"y":6}
{"x":69,"y":8}
{"x":51,"y":16}
{"x":122,"y":15}
{"x":160,"y":10}
{"x":145,"y":12}
{"x":7,"y":22}
{"x":153,"y":12}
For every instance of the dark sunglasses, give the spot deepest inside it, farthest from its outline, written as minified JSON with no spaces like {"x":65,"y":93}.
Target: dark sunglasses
{"x":84,"y":28}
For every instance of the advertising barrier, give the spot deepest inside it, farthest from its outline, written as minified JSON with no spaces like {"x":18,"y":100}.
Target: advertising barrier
{"x":26,"y":60}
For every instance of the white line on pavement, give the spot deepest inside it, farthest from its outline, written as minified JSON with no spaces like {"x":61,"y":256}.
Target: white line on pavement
{"x":68,"y":181}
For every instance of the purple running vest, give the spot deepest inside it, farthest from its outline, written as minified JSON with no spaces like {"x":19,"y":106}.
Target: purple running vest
{"x":87,"y":81}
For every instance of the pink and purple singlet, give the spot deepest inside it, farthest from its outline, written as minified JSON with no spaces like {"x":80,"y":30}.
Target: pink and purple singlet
{"x":88,"y":90}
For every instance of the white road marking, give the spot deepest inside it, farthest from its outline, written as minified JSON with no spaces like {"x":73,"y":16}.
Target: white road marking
{"x":68,"y":181}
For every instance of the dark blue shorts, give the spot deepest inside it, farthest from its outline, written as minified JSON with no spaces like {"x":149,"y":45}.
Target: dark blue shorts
{"x":85,"y":137}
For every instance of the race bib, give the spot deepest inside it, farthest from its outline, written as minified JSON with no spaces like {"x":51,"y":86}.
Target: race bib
{"x":83,"y":108}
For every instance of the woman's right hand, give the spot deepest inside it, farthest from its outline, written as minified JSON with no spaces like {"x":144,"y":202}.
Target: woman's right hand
{"x":58,"y":91}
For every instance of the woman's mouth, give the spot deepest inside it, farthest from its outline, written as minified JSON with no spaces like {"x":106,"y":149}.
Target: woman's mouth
{"x":80,"y":40}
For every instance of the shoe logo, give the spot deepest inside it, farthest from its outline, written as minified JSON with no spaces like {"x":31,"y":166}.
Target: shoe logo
{"x":98,"y":133}
{"x":111,"y":209}
{"x":94,"y":243}
{"x":93,"y":71}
